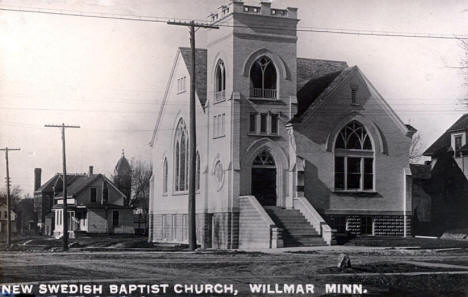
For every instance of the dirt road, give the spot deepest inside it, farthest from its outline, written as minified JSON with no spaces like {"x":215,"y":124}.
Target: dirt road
{"x":381,"y":272}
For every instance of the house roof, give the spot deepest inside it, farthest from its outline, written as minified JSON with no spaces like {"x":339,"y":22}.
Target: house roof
{"x":317,"y":87}
{"x":311,"y":69}
{"x":200,"y":69}
{"x":83,"y":182}
{"x":312,"y":89}
{"x":443,"y":143}
{"x":313,"y":77}
{"x":421,"y":171}
{"x":70,"y":179}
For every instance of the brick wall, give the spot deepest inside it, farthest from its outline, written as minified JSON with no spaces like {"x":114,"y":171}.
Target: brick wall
{"x":383,"y":225}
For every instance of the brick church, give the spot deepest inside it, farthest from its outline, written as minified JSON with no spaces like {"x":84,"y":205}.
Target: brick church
{"x":290,"y":150}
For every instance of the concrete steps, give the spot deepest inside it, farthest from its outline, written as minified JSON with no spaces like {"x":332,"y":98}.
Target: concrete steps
{"x":297,"y":231}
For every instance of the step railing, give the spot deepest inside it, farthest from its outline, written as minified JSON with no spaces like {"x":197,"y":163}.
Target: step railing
{"x":315,"y":219}
{"x":251,"y":234}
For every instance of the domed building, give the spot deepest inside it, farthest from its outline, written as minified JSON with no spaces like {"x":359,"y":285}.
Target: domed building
{"x":123,"y":177}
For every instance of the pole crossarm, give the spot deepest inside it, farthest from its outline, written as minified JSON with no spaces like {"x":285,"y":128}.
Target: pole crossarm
{"x":64,"y":180}
{"x":192,"y":24}
{"x":8,"y":184}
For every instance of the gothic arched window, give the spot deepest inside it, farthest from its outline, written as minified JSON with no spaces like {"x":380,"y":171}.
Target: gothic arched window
{"x":165,"y":171}
{"x":181,"y":157}
{"x":354,"y":159}
{"x":220,"y":81}
{"x":263,"y":78}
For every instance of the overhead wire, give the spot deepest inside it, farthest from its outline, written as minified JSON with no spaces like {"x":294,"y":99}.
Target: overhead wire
{"x":165,"y":19}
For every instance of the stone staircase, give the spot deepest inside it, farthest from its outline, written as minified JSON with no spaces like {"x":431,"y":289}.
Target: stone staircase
{"x":297,"y":231}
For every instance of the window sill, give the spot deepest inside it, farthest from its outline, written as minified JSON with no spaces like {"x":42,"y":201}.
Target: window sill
{"x":182,"y":193}
{"x":263,"y":135}
{"x":221,"y":100}
{"x":222,"y":136}
{"x":357,"y":193}
{"x":258,"y":100}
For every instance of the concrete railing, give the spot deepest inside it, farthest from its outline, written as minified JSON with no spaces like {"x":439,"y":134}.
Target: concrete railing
{"x":256,"y":228}
{"x":315,"y":219}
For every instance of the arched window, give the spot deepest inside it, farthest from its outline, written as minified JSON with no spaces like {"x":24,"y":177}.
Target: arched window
{"x":220,"y":81}
{"x":264,"y":160}
{"x":354,"y":159}
{"x":197,"y":173}
{"x":181,"y":157}
{"x":165,"y":171}
{"x":263,"y":78}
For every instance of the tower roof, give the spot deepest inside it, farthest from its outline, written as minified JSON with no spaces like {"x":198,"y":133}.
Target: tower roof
{"x":122,"y":166}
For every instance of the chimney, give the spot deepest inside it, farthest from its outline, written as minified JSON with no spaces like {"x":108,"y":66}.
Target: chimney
{"x":90,"y":170}
{"x":37,"y":178}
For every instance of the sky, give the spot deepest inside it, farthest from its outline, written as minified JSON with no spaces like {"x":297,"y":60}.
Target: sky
{"x":109,"y":76}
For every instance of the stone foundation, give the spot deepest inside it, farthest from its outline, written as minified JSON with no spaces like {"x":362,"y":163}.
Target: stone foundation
{"x":376,"y":225}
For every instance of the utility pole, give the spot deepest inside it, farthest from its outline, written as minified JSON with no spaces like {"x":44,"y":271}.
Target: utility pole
{"x":8,"y":202}
{"x":192,"y":132}
{"x":64,"y":179}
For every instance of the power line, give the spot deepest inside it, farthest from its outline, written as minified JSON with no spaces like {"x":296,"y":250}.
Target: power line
{"x":160,"y":19}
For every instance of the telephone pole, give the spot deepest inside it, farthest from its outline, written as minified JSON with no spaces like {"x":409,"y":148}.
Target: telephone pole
{"x":192,"y":132}
{"x":8,"y":202}
{"x":64,"y":179}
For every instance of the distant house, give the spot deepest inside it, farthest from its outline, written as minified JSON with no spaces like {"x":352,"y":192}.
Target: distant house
{"x":43,"y":198}
{"x":95,"y":205}
{"x":454,"y":142}
{"x":440,"y":187}
{"x":4,"y":221}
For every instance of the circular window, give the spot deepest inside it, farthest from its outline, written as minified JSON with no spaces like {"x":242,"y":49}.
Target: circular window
{"x":219,"y":174}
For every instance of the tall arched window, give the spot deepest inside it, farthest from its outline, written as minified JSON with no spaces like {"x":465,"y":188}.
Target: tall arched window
{"x":263,"y":78}
{"x":220,"y":81}
{"x":181,"y":157}
{"x":165,"y":171}
{"x":354,"y":159}
{"x":197,"y":173}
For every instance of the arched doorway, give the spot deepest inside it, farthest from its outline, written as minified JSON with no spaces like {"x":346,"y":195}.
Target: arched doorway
{"x":264,"y":178}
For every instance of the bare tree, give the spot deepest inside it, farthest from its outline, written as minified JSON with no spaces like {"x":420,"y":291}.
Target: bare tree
{"x":15,"y":195}
{"x":141,"y":175}
{"x":415,"y":151}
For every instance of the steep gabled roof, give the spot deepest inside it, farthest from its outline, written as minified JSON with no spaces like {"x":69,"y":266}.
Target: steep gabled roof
{"x":312,"y":89}
{"x":53,"y":179}
{"x":83,"y":182}
{"x":200,"y":69}
{"x":310,"y":69}
{"x":201,"y":72}
{"x":324,"y":84}
{"x":328,"y":82}
{"x":442,"y":144}
{"x":313,"y":77}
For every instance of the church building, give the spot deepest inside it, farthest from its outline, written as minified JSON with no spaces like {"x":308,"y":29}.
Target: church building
{"x":290,"y":150}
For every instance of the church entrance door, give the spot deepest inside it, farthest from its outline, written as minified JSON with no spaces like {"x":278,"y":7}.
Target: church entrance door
{"x":264,"y":179}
